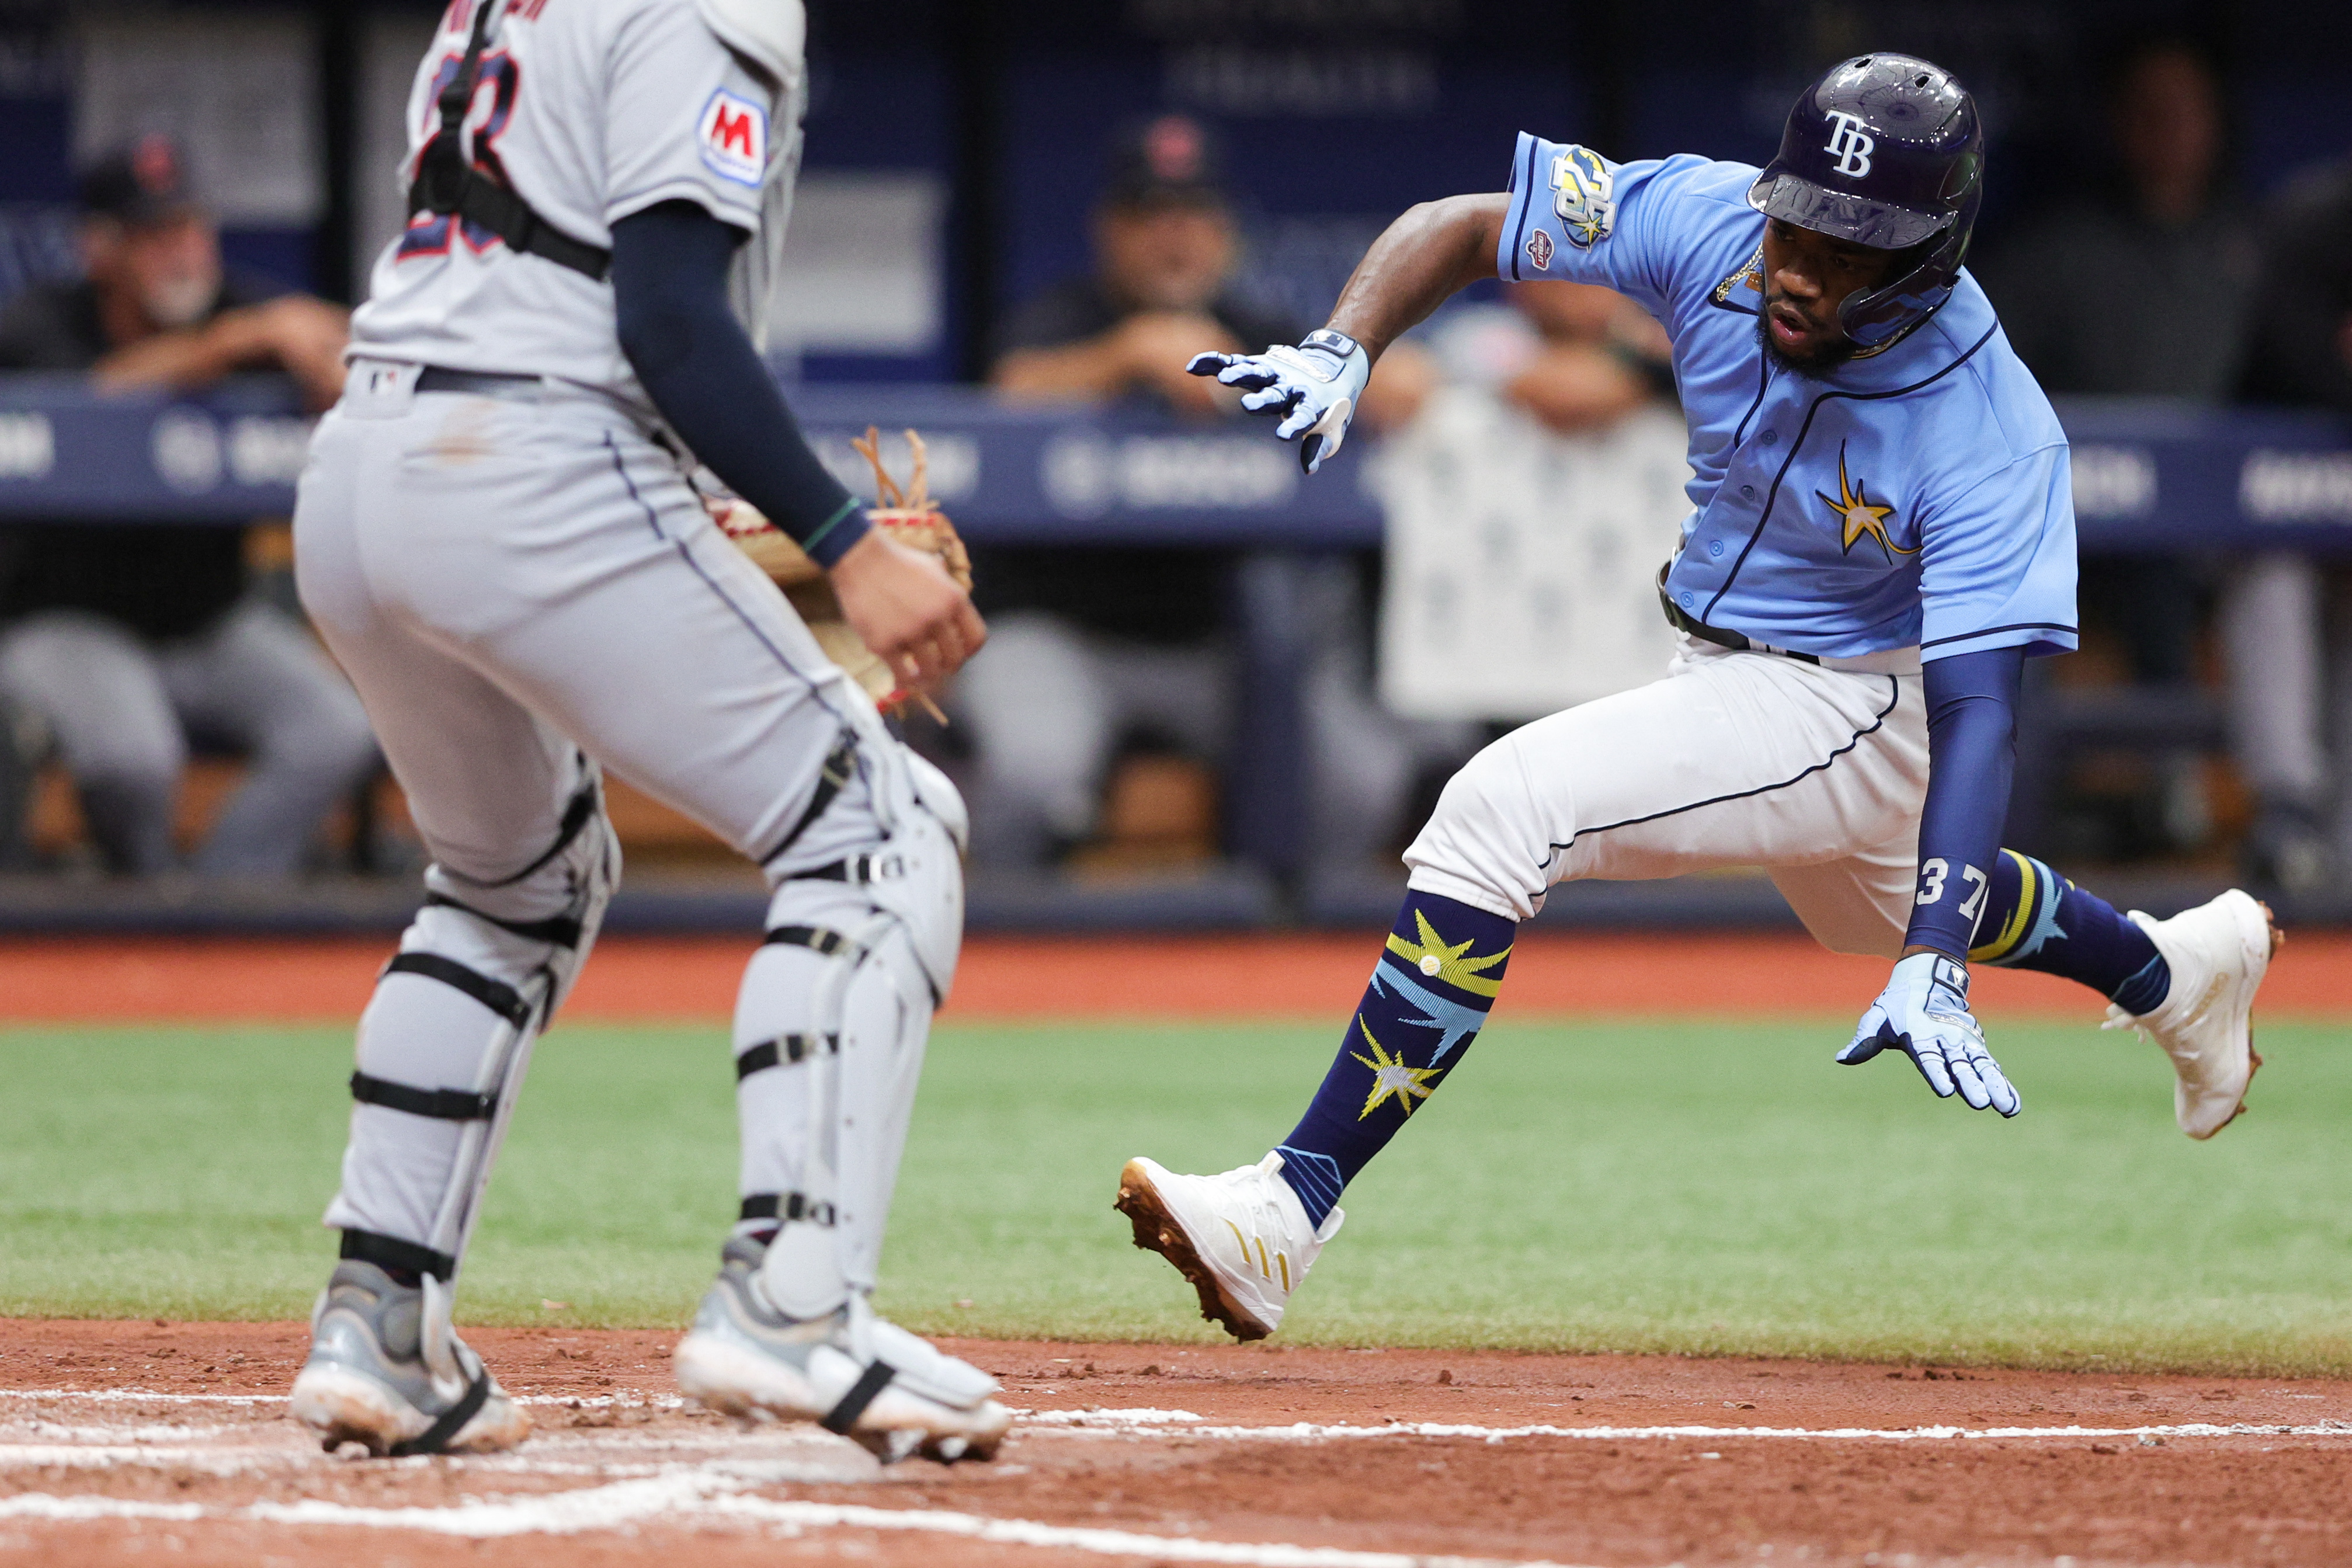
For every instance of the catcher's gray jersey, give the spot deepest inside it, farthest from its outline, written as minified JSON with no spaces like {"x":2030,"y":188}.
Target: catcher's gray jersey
{"x":592,"y":110}
{"x":523,"y":586}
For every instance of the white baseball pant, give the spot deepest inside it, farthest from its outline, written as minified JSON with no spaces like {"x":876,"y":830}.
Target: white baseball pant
{"x":1735,"y":760}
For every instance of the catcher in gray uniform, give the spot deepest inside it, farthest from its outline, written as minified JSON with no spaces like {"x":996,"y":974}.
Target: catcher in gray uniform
{"x":498,"y":538}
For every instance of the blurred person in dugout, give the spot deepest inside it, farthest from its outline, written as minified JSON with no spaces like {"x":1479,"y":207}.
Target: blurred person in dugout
{"x":124,"y":640}
{"x":1091,"y":647}
{"x":1576,"y":357}
{"x":2077,"y":293}
{"x":2299,"y":354}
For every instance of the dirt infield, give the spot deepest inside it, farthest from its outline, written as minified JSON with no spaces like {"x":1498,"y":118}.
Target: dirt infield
{"x":1175,"y":978}
{"x":144,"y":1438}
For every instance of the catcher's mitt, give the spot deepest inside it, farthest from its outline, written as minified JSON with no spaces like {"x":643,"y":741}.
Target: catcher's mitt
{"x":911,"y":518}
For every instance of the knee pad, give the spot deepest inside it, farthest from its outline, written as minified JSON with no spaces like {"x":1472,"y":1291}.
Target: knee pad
{"x":937,"y":792}
{"x":830,"y":1039}
{"x":916,"y":870}
{"x":446,"y":1040}
{"x":556,"y":902}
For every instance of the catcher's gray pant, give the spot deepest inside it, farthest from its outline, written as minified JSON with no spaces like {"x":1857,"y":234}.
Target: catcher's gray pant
{"x":512,"y":584}
{"x":120,"y":709}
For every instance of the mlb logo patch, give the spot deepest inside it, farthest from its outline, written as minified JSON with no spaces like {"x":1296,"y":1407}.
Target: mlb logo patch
{"x":1540,"y":250}
{"x":733,"y":133}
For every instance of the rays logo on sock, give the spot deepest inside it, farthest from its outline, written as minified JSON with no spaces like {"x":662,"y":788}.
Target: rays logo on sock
{"x":1454,"y":1023}
{"x":1453,"y":964}
{"x":1392,"y":1076}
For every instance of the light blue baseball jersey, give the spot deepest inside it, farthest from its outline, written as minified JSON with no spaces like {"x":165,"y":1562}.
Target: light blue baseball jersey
{"x":1917,"y":496}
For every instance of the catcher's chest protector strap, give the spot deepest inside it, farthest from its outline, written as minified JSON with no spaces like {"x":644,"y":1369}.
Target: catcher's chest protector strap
{"x":447,"y":185}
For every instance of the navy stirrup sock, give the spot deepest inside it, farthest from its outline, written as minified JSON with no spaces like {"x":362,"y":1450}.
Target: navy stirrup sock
{"x":2036,"y":919}
{"x":1428,"y":999}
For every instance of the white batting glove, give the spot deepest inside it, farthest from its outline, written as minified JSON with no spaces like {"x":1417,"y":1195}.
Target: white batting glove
{"x":1316,"y":386}
{"x":1923,"y":1013}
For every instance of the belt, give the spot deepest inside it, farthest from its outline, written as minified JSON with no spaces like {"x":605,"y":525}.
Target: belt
{"x":478,"y":383}
{"x":1893,"y":662}
{"x":1682,"y":621}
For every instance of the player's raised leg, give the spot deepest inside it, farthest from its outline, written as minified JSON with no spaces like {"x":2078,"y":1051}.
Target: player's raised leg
{"x":1735,"y":760}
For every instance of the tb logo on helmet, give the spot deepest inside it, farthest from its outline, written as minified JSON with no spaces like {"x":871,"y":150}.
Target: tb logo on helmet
{"x":1851,"y":144}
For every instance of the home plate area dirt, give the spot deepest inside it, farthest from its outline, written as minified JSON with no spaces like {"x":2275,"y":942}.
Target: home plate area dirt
{"x":168,"y":1442}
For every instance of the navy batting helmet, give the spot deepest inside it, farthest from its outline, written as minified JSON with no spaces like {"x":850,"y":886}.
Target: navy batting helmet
{"x":1884,"y":151}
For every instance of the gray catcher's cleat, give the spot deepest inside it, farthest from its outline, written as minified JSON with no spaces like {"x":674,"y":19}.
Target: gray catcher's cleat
{"x":368,"y":1380}
{"x":850,"y":1372}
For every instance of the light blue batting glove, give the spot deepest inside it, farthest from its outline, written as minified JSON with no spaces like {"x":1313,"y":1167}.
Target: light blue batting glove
{"x":1923,"y":1013}
{"x":1315,"y":386}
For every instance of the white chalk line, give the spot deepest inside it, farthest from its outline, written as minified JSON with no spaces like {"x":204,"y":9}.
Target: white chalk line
{"x":713,"y":1488}
{"x":1184,"y":1424}
{"x":687,"y":1496}
{"x":1148,"y":1421}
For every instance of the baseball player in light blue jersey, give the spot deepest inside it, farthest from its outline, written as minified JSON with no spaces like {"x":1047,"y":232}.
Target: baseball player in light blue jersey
{"x":1881,"y":534}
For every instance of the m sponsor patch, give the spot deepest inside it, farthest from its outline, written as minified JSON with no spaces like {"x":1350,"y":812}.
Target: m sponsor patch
{"x":1540,"y":250}
{"x":734,"y":137}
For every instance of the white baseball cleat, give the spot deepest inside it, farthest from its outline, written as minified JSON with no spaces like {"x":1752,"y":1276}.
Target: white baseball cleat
{"x":2218,"y":952}
{"x":1242,"y":1238}
{"x":889,"y":1391}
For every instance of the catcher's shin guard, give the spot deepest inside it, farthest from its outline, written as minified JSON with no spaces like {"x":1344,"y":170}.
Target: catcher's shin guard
{"x":830,"y":1034}
{"x":446,"y":1041}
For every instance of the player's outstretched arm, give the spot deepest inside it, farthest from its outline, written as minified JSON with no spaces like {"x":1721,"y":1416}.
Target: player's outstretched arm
{"x":1420,"y":261}
{"x":1431,"y":254}
{"x":1924,"y":1011}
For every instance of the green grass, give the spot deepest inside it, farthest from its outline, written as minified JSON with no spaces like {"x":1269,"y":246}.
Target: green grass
{"x":1707,"y":1187}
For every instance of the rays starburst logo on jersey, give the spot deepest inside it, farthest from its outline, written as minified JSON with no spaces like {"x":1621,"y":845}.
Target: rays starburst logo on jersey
{"x":1860,"y":518}
{"x":1392,"y":1075}
{"x":1451,"y":964}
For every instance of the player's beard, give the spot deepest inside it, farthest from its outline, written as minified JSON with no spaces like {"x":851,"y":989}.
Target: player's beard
{"x":1816,"y":364}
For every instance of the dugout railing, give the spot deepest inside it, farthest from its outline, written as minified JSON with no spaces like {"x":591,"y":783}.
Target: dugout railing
{"x":2149,"y":476}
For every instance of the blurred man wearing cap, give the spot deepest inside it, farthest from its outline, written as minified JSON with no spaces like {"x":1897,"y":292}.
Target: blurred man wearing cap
{"x":1089,"y":643}
{"x":127,"y":639}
